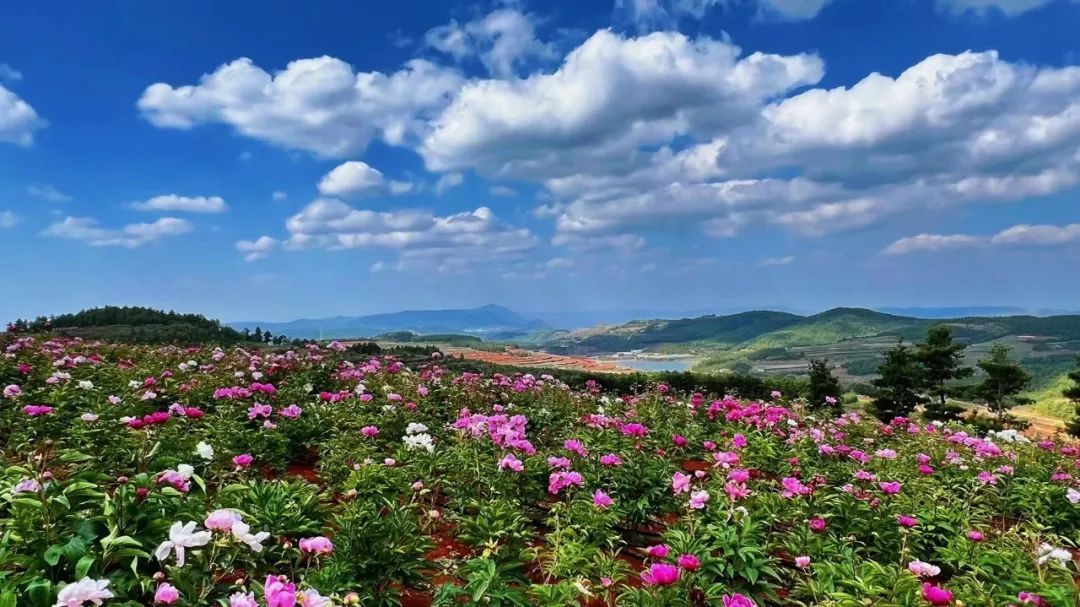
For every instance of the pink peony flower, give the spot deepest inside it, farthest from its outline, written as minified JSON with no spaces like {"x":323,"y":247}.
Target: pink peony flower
{"x":689,"y":562}
{"x":240,"y":599}
{"x":802,"y":562}
{"x":936,"y":595}
{"x":660,"y":574}
{"x":680,"y":482}
{"x":610,"y":460}
{"x":817,"y":525}
{"x":921,"y":569}
{"x":37,"y":410}
{"x":316,"y":545}
{"x":659,"y":551}
{"x":369,"y":431}
{"x":737,"y":600}
{"x":509,"y":462}
{"x":85,"y":590}
{"x":889,"y":488}
{"x":222,"y":520}
{"x":906,"y":521}
{"x":601,"y":500}
{"x":698,"y":499}
{"x":975,"y":535}
{"x":166,"y":594}
{"x":279,"y":592}
{"x":243,"y":460}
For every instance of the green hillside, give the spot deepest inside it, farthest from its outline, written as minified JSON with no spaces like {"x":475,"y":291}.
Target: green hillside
{"x":710,"y":330}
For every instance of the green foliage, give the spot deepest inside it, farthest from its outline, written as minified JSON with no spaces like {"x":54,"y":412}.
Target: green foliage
{"x":1004,"y":381}
{"x":823,"y":384}
{"x":941,"y":357}
{"x":899,"y":385}
{"x":1072,"y":393}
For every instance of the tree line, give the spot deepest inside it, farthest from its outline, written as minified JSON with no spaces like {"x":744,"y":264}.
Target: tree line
{"x":927,"y":374}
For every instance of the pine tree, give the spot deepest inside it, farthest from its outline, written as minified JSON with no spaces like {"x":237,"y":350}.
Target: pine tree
{"x":1005,"y":379}
{"x":899,"y":384}
{"x":940,"y":357}
{"x":1073,"y":393}
{"x":258,"y":335}
{"x":823,"y":385}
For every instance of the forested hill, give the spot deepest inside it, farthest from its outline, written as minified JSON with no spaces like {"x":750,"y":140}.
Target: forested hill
{"x":133,"y":324}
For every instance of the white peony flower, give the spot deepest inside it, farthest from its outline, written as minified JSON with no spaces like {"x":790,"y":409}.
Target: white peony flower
{"x":181,"y":537}
{"x":76,"y":594}
{"x":204,"y":451}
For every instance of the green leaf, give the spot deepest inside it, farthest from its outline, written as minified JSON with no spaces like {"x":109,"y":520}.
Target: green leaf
{"x":7,"y":598}
{"x":40,"y":593}
{"x":82,"y":568}
{"x":52,"y":554}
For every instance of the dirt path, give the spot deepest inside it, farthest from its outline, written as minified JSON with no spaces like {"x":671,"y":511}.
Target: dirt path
{"x":530,"y":358}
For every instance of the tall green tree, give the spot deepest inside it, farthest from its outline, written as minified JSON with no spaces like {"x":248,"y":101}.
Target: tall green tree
{"x":941,"y":356}
{"x":1073,"y":393}
{"x":899,"y":384}
{"x":823,"y":385}
{"x":1004,"y":381}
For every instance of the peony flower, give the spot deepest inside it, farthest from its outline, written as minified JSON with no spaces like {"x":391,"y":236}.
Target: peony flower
{"x":509,"y":462}
{"x":166,"y":594}
{"x":1073,"y":496}
{"x":27,"y":485}
{"x":222,"y":520}
{"x":906,"y":521}
{"x":316,"y":545}
{"x":291,"y":412}
{"x":181,"y":537}
{"x":936,"y":595}
{"x":659,"y":551}
{"x":738,"y":600}
{"x":680,"y":483}
{"x":240,"y":599}
{"x":1046,"y":553}
{"x":243,"y":460}
{"x":610,"y":460}
{"x":889,"y":488}
{"x":204,"y":451}
{"x":975,"y":535}
{"x":370,"y":431}
{"x":601,"y":500}
{"x":698,"y":499}
{"x":79,"y":593}
{"x":312,"y":598}
{"x":242,"y":532}
{"x":37,"y":410}
{"x":660,"y":574}
{"x":689,"y":562}
{"x":802,"y":562}
{"x":279,"y":591}
{"x":921,"y":569}
{"x":817,"y":525}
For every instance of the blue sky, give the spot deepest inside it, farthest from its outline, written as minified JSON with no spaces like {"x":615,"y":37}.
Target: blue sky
{"x":274,"y":160}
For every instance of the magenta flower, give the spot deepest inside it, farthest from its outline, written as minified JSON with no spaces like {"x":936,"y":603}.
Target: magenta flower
{"x":222,"y":520}
{"x":817,"y":525}
{"x":601,"y":500}
{"x":243,"y":460}
{"x":370,"y":431}
{"x":316,"y":545}
{"x":509,"y":462}
{"x":975,"y":535}
{"x":610,"y":460}
{"x":166,"y":594}
{"x":12,"y":391}
{"x":802,"y":562}
{"x":659,"y":551}
{"x":680,"y":482}
{"x":678,"y":440}
{"x":660,"y":574}
{"x":738,"y":600}
{"x":698,"y":499}
{"x":279,"y":592}
{"x":37,"y":410}
{"x":258,"y":410}
{"x":936,"y":595}
{"x":576,"y":446}
{"x":889,"y":488}
{"x":906,"y":521}
{"x":291,"y":412}
{"x":738,"y":441}
{"x":689,"y":562}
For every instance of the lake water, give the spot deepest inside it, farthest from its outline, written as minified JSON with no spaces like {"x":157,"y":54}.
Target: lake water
{"x":675,"y":364}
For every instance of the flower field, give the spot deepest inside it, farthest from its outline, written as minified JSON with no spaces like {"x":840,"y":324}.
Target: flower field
{"x":316,"y":477}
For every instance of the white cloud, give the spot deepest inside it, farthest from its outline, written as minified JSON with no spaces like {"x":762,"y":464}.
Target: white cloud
{"x":611,"y":96}
{"x":448,"y":181}
{"x":256,"y":249}
{"x":356,"y":178}
{"x":930,"y":242}
{"x":9,"y":73}
{"x":47,"y":192}
{"x":279,"y":196}
{"x":18,"y":120}
{"x":501,"y":190}
{"x":1010,"y":8}
{"x":8,"y":219}
{"x":87,"y":230}
{"x":423,"y":240}
{"x":1037,"y":235}
{"x":320,"y":105}
{"x":558,"y":262}
{"x":950,"y":130}
{"x":184,"y":204}
{"x":502,"y":40}
{"x":777,"y":261}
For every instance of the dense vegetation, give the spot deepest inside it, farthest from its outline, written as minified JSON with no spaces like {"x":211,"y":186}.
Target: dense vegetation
{"x":241,"y":477}
{"x":133,"y":324}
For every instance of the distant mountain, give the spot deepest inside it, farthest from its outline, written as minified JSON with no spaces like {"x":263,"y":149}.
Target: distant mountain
{"x":491,"y":321}
{"x":956,"y":311}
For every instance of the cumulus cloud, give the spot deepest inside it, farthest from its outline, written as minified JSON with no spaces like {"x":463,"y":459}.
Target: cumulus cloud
{"x":1009,"y":8}
{"x":47,"y":192}
{"x":183,"y":204}
{"x":8,"y":219}
{"x":611,"y":96}
{"x":134,"y":235}
{"x":319,"y":105}
{"x":422,"y":239}
{"x":502,"y":40}
{"x":1018,"y":235}
{"x":256,"y":249}
{"x":952,"y":129}
{"x":356,"y":178}
{"x":448,"y":181}
{"x":18,"y":120}
{"x":786,"y":260}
